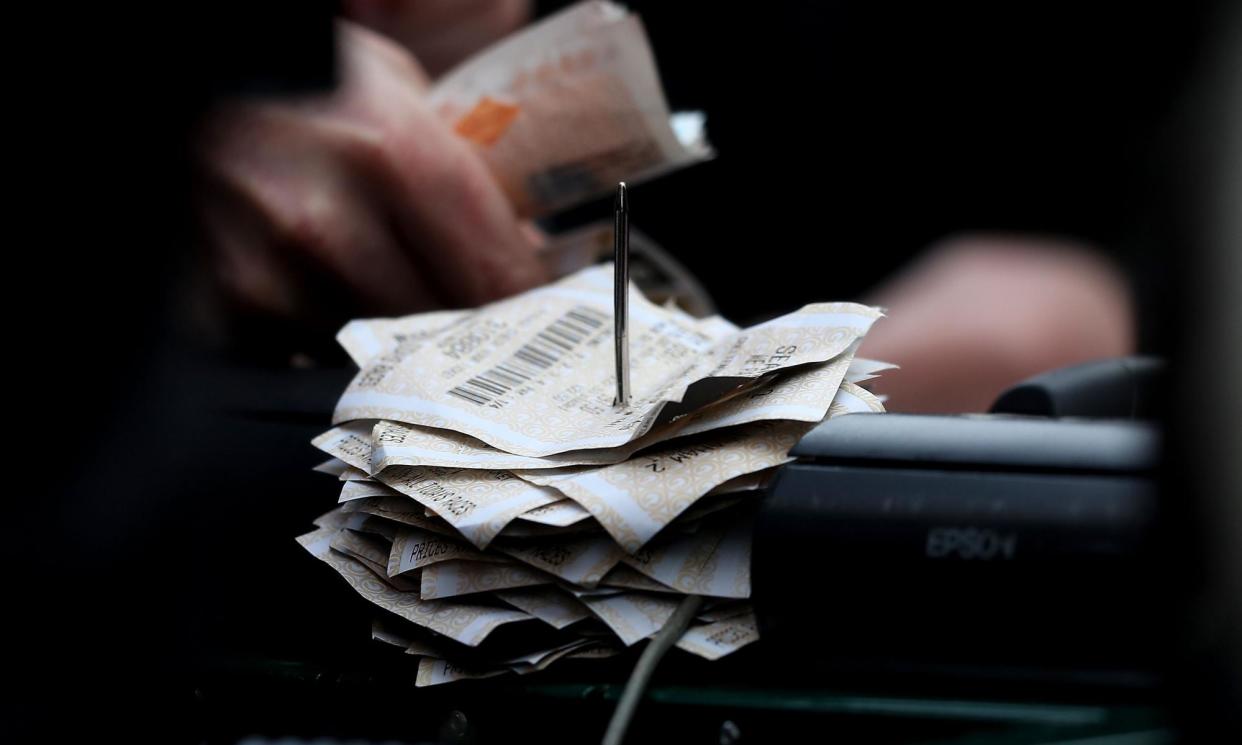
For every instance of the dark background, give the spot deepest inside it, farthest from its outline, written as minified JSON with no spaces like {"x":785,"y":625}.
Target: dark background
{"x":851,"y":135}
{"x":151,"y":476}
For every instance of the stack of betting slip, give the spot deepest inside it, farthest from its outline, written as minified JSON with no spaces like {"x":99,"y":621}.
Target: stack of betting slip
{"x":507,"y":515}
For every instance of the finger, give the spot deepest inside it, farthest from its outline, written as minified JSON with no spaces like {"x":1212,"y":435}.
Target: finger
{"x":318,"y":216}
{"x":361,"y":249}
{"x":367,"y":56}
{"x":453,"y":214}
{"x":451,"y":218}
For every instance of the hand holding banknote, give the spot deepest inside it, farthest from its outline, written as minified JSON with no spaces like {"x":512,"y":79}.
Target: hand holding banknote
{"x":357,"y":201}
{"x":389,"y":195}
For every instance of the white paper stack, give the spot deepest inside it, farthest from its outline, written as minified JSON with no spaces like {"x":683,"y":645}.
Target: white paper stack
{"x":507,"y":515}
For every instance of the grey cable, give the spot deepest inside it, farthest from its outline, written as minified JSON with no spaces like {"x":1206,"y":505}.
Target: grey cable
{"x":645,"y":667}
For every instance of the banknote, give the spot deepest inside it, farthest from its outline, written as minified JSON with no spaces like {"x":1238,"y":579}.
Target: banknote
{"x":478,"y":504}
{"x":633,"y":616}
{"x":448,"y":579}
{"x":567,"y":108}
{"x":635,"y":499}
{"x":533,"y":375}
{"x":467,"y":623}
{"x":552,"y":605}
{"x":715,"y":640}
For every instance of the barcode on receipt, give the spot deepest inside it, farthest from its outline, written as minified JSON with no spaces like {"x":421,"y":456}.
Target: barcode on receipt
{"x":543,"y":351}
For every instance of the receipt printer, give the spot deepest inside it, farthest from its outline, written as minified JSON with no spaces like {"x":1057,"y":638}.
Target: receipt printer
{"x":967,"y":553}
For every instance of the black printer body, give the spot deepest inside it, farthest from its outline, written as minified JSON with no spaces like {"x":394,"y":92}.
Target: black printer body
{"x":989,"y":554}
